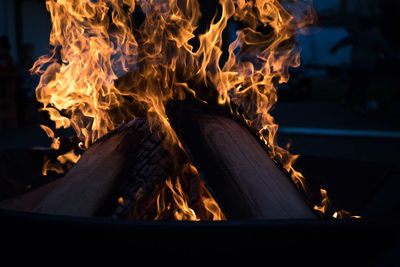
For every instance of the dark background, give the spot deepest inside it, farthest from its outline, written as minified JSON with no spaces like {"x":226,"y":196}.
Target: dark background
{"x":347,"y":146}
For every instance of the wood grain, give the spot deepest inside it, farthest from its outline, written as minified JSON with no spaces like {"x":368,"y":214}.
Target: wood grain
{"x":251,"y":176}
{"x":95,"y":177}
{"x":246,"y":183}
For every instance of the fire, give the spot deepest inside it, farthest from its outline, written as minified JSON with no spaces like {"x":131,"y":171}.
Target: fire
{"x":95,"y":42}
{"x":342,"y":214}
{"x":77,"y":83}
{"x":183,"y":211}
{"x":69,"y":157}
{"x":325,"y":206}
{"x":173,"y":199}
{"x":59,"y":166}
{"x":56,"y":141}
{"x":325,"y":202}
{"x":62,"y":164}
{"x":212,"y":208}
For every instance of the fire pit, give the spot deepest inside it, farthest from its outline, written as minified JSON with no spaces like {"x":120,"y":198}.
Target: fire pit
{"x":50,"y":238}
{"x":174,"y":124}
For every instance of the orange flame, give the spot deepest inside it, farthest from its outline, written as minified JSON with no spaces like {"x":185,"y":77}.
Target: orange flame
{"x":183,"y":212}
{"x":325,"y":205}
{"x":51,"y":166}
{"x":77,"y":88}
{"x":212,"y":207}
{"x":342,"y":214}
{"x":94,"y":43}
{"x":325,"y":202}
{"x":69,"y":157}
{"x":60,"y":166}
{"x":56,"y":141}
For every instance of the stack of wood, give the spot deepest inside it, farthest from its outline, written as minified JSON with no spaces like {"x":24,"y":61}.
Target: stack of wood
{"x":122,"y":173}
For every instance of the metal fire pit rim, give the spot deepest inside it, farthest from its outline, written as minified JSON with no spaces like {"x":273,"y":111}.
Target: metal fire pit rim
{"x":35,"y":234}
{"x":289,"y":223}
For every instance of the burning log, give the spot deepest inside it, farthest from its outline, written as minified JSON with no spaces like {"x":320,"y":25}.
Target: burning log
{"x":88,"y":186}
{"x":245,"y":181}
{"x":131,"y":165}
{"x":124,"y":173}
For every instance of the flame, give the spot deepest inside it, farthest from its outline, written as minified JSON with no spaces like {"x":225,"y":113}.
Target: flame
{"x":342,"y":214}
{"x":179,"y":206}
{"x":94,"y":42}
{"x":212,"y":207}
{"x":173,"y":199}
{"x":56,"y":140}
{"x":183,"y":212}
{"x":69,"y":157}
{"x":211,"y":210}
{"x":325,"y":202}
{"x":58,"y":166}
{"x":77,"y":83}
{"x":62,"y":164}
{"x":49,"y":165}
{"x":325,"y":206}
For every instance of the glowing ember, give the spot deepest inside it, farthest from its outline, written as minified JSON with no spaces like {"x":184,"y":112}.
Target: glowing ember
{"x":94,"y":43}
{"x":120,"y":201}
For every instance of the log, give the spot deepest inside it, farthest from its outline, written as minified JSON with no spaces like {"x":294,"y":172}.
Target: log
{"x":26,"y":202}
{"x":121,"y":176}
{"x":16,"y":180}
{"x":245,"y":182}
{"x":131,"y":163}
{"x":90,"y":187}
